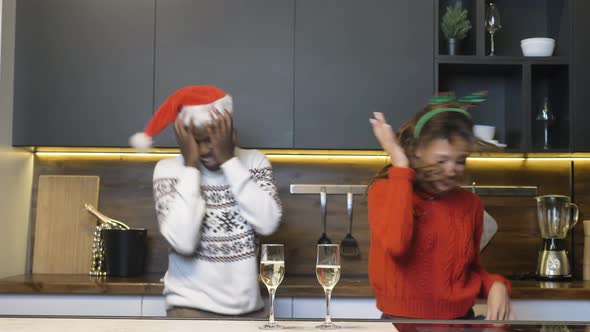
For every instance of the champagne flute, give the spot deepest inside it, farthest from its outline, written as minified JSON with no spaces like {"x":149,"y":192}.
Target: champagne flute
{"x":492,"y":23}
{"x":327,"y":271}
{"x":272,"y":271}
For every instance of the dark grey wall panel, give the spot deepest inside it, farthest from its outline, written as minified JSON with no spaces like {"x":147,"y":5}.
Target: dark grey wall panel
{"x":355,"y":57}
{"x":83,"y":71}
{"x":581,"y":75}
{"x":245,"y":48}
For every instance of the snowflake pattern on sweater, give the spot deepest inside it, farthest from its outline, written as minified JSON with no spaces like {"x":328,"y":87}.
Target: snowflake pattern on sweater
{"x":225,"y":235}
{"x":264,"y":178}
{"x":163,"y":194}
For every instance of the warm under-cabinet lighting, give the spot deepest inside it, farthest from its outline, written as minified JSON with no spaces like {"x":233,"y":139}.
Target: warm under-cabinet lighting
{"x":286,"y":155}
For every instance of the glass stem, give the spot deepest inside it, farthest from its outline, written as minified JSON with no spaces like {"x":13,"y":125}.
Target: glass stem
{"x":271,"y":294}
{"x":328,"y":293}
{"x":492,"y":44}
{"x":546,"y":136}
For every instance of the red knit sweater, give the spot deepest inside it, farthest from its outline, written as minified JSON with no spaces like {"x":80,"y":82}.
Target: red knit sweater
{"x":424,"y":255}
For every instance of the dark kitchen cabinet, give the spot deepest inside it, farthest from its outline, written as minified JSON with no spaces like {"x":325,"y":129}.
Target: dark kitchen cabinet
{"x":353,"y":58}
{"x":245,"y":48}
{"x":581,"y":76}
{"x":83,"y":71}
{"x":303,"y":73}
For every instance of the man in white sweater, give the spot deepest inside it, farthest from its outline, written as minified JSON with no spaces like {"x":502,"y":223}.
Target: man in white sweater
{"x":212,"y":201}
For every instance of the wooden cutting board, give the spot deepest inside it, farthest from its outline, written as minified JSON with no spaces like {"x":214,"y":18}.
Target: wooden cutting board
{"x":63,"y":228}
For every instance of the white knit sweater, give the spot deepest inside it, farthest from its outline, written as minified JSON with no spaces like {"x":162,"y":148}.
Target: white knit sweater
{"x":210,"y":221}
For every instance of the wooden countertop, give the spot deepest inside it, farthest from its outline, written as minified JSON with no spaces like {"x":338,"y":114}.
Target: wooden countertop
{"x":291,"y":287}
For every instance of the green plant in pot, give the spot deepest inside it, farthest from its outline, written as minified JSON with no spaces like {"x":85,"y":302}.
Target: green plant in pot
{"x":455,"y":25}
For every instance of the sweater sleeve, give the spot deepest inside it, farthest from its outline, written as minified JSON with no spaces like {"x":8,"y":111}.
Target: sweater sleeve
{"x":255,"y":193}
{"x":487,"y":279}
{"x":391,"y":211}
{"x":179,"y":206}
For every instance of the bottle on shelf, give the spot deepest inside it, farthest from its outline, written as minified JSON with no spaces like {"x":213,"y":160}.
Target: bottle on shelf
{"x":546,"y":119}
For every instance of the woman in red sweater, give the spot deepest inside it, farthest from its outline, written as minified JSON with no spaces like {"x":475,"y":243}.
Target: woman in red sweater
{"x":425,"y":229}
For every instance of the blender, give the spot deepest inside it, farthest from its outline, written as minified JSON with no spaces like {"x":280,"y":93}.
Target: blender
{"x":555,"y":213}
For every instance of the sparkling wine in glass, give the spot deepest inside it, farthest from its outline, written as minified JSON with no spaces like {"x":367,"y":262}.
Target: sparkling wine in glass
{"x":327,"y":271}
{"x":492,"y":23}
{"x":272,"y":272}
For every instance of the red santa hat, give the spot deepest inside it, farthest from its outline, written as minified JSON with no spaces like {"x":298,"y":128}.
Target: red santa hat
{"x":191,"y":104}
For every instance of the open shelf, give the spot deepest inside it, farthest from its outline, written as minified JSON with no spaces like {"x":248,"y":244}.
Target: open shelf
{"x":491,"y":60}
{"x":504,"y":105}
{"x":552,"y":82}
{"x":467,"y":46}
{"x":516,"y":84}
{"x":526,"y":19}
{"x":520,"y":19}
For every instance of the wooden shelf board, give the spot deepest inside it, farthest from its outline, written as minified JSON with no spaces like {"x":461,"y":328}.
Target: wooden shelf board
{"x":493,"y":60}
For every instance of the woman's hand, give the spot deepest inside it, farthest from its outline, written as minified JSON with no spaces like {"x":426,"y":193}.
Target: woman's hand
{"x":188,"y":145}
{"x":388,"y":141}
{"x":499,"y":303}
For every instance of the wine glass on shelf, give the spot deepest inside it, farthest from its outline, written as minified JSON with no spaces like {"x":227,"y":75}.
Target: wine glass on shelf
{"x":272,"y":272}
{"x":327,"y":271}
{"x":492,"y":23}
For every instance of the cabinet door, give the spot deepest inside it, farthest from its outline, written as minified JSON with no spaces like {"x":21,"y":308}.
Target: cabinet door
{"x":356,"y":57}
{"x":243,"y":47}
{"x":83,"y":71}
{"x":581,"y":75}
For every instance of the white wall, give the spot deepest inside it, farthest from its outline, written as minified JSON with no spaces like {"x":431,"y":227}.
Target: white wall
{"x":16,"y":165}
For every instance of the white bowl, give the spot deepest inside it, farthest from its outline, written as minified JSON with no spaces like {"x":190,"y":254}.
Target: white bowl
{"x":486,"y":133}
{"x":537,"y":46}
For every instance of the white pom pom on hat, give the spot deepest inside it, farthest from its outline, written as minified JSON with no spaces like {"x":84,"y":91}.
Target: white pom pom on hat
{"x":192,"y":104}
{"x":141,"y":141}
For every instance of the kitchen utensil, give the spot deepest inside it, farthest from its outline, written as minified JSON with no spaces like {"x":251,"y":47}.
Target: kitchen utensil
{"x":554,"y":213}
{"x":63,"y":230}
{"x":349,"y":247}
{"x":537,"y":46}
{"x":324,"y":209}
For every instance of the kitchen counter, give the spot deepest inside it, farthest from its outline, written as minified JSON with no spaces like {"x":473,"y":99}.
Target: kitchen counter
{"x":180,"y":325}
{"x":291,"y":287}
